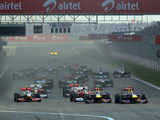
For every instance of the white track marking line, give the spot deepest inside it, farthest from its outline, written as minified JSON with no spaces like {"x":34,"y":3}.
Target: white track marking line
{"x":13,"y":51}
{"x":64,"y":114}
{"x":4,"y":71}
{"x":10,"y":50}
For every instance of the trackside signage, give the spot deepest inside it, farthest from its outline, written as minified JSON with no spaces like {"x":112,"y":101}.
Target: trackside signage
{"x":79,"y":7}
{"x":125,"y":38}
{"x":11,"y":6}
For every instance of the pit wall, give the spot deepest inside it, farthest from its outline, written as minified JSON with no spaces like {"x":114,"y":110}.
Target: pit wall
{"x":30,"y":29}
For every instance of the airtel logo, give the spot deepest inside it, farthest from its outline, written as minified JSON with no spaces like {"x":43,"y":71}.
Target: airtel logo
{"x":106,"y":3}
{"x":50,"y":5}
{"x":109,"y":5}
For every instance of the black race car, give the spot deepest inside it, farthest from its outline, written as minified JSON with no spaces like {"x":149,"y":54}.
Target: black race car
{"x":101,"y":75}
{"x":130,"y":96}
{"x":104,"y":83}
{"x":121,"y":74}
{"x":103,"y":79}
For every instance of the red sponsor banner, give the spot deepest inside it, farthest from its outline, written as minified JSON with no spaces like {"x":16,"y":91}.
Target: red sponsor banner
{"x":79,"y":7}
{"x":97,"y":36}
{"x":157,"y":39}
{"x":124,"y":38}
{"x":91,"y":38}
{"x":40,"y":38}
{"x":84,"y":38}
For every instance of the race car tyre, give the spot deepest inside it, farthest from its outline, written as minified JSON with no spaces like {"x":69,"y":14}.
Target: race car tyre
{"x":127,"y":75}
{"x":107,"y":96}
{"x":27,"y":99}
{"x":16,"y":96}
{"x":88,"y":101}
{"x":143,"y":97}
{"x":64,"y":94}
{"x":72,"y":97}
{"x":117,"y":99}
{"x":112,"y":84}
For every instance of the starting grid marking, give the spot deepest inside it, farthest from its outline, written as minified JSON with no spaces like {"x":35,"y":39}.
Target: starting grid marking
{"x":62,"y":114}
{"x":4,"y":71}
{"x":10,"y":50}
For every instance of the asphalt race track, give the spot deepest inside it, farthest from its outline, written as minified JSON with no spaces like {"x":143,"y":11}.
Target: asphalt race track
{"x":58,"y":108}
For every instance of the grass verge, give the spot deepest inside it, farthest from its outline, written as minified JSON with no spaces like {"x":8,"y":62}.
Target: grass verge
{"x":141,"y":71}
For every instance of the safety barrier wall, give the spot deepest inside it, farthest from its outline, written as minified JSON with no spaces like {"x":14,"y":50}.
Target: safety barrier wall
{"x":143,"y":51}
{"x":125,"y":38}
{"x":138,"y":60}
{"x":40,"y":38}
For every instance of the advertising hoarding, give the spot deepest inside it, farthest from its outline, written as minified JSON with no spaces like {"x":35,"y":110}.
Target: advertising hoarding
{"x":125,"y":38}
{"x":157,"y":40}
{"x":79,"y":7}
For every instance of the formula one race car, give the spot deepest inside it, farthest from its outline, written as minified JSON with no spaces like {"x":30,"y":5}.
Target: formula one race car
{"x":27,"y":96}
{"x":121,"y":73}
{"x":90,"y":96}
{"x":54,"y":52}
{"x":77,"y":97}
{"x":47,"y":84}
{"x":104,"y":83}
{"x":85,"y":69}
{"x":32,"y":98}
{"x":78,"y":93}
{"x":101,"y":75}
{"x":64,"y":83}
{"x":129,"y":96}
{"x":98,"y":97}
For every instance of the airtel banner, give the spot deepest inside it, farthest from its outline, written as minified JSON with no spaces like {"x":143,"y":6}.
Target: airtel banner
{"x":79,"y":7}
{"x":124,"y":38}
{"x":40,"y":38}
{"x":40,"y":6}
{"x":97,"y":36}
